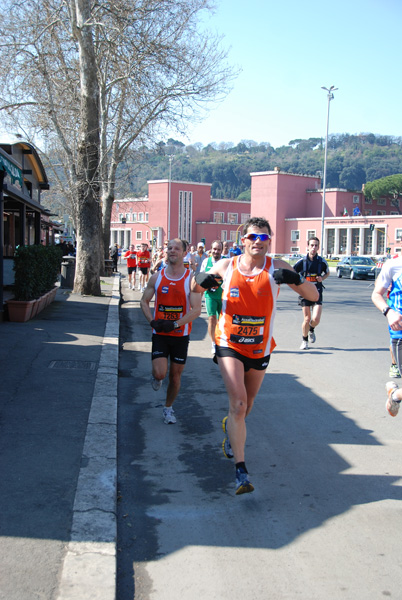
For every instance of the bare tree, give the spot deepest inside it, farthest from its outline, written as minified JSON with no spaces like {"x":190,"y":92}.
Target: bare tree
{"x":87,"y":217}
{"x":122,"y":75}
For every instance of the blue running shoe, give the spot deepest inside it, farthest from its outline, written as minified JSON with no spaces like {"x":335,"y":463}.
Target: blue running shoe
{"x":243,"y":485}
{"x":226,"y":447}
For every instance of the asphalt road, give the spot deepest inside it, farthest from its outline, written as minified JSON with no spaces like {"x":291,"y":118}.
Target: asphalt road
{"x":322,"y":452}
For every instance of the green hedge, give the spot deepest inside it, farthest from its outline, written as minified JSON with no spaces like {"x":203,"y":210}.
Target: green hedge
{"x":36,"y":270}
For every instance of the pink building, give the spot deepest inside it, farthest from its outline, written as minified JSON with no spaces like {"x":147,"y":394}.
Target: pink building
{"x":177,"y":209}
{"x":292,"y":204}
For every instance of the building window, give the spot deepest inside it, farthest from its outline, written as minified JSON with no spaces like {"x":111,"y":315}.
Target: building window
{"x":128,"y":217}
{"x":190,"y":216}
{"x":368,"y":213}
{"x":310,"y":233}
{"x":138,"y":235}
{"x":232,"y":218}
{"x":398,"y":235}
{"x":134,"y":217}
{"x":295,"y":235}
{"x":233,"y":236}
{"x":244,"y":217}
{"x":185,"y":215}
{"x":120,"y":217}
{"x":218,"y":217}
{"x":381,"y":212}
{"x":355,"y":240}
{"x":381,"y":202}
{"x":356,"y":199}
{"x":368,"y":201}
{"x":141,"y":217}
{"x":343,"y":238}
{"x":394,"y":212}
{"x":295,"y":249}
{"x":146,"y":217}
{"x":224,"y":235}
{"x":330,"y":241}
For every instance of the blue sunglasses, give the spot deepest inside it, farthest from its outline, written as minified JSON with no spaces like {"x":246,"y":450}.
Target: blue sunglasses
{"x":254,"y":236}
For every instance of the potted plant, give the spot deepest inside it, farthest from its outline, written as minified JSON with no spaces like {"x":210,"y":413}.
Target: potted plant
{"x":36,"y":271}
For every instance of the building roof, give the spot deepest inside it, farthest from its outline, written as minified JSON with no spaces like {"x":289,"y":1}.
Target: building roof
{"x":9,"y":139}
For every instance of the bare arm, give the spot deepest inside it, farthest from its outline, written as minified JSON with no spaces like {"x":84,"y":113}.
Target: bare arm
{"x":306,"y":289}
{"x":322,"y":278}
{"x":195,"y":310}
{"x":219,"y":268}
{"x":147,"y":297}
{"x":394,"y":318}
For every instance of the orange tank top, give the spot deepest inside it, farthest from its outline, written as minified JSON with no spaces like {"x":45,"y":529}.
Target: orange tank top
{"x":172,"y":300}
{"x":248,"y":310}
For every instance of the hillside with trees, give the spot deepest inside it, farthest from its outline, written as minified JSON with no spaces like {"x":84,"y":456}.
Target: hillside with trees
{"x":353,"y":160}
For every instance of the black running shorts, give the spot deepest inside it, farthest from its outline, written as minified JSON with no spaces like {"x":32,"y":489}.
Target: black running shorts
{"x":259,"y":364}
{"x":165,"y":346}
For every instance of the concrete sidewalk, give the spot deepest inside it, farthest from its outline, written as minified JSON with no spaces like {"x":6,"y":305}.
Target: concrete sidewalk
{"x":58,"y":406}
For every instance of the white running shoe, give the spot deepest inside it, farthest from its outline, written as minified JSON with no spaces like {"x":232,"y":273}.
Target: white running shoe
{"x":168,"y":415}
{"x":156,"y":383}
{"x":394,"y":371}
{"x":392,"y":405}
{"x":311,"y":337}
{"x":304,"y":345}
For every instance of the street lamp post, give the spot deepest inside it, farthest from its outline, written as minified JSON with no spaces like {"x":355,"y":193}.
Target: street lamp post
{"x":170,"y":183}
{"x":330,"y":97}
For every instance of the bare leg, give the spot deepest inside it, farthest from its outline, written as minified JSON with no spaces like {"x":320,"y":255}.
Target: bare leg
{"x":242,"y":389}
{"x":212,"y":327}
{"x":316,"y":317}
{"x":306,"y":320}
{"x":159,"y":368}
{"x":174,"y":382}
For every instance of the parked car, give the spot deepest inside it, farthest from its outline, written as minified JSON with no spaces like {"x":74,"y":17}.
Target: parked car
{"x":356,"y":267}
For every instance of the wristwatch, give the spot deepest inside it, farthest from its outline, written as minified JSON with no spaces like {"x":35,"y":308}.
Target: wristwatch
{"x":176,"y":325}
{"x":385,"y":310}
{"x":302,"y":280}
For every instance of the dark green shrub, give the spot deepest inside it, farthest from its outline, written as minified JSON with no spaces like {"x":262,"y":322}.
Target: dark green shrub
{"x":36,"y":270}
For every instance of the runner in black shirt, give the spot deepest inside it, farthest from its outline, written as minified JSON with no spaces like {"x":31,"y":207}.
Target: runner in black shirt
{"x":315,"y":269}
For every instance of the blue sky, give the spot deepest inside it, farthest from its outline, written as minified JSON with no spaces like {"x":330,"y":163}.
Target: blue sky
{"x":287,"y":51}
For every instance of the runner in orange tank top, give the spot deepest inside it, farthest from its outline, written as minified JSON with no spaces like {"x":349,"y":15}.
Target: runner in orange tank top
{"x":244,"y":334}
{"x":176,"y":307}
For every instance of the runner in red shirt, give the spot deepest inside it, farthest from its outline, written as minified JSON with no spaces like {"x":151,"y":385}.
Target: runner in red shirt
{"x":131,"y":257}
{"x":144,"y":264}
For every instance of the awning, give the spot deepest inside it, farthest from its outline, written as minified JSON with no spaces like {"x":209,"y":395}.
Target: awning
{"x":14,"y":172}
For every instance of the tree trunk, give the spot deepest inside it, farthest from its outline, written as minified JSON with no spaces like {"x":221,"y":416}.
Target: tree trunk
{"x":107,"y":202}
{"x":89,"y":243}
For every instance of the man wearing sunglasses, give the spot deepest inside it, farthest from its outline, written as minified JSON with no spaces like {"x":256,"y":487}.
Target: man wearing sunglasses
{"x":244,"y":333}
